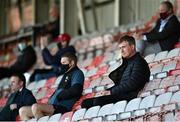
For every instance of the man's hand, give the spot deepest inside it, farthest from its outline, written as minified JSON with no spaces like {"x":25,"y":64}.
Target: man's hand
{"x":103,"y":93}
{"x":13,"y":106}
{"x":138,"y":36}
{"x":43,"y":42}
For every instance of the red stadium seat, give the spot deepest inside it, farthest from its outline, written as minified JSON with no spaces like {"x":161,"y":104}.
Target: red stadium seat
{"x":50,"y":82}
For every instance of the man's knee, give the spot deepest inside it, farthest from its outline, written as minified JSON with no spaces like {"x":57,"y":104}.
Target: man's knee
{"x":35,"y":107}
{"x":22,"y":111}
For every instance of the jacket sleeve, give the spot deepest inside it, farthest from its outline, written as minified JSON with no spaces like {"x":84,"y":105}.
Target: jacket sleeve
{"x":47,"y":57}
{"x":168,"y":30}
{"x":76,"y":87}
{"x":135,"y":81}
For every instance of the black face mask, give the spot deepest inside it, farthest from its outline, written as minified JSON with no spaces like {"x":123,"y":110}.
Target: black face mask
{"x":64,"y":68}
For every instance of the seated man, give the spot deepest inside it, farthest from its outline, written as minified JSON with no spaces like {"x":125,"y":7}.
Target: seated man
{"x":164,"y":35}
{"x":24,"y":62}
{"x":129,"y":78}
{"x":67,"y":93}
{"x":52,"y":60}
{"x":20,"y":97}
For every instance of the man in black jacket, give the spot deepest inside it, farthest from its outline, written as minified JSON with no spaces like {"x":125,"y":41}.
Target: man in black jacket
{"x":164,"y":35}
{"x":23,"y":63}
{"x":129,"y":78}
{"x":20,"y":97}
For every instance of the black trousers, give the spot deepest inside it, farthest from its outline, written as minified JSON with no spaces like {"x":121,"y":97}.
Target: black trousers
{"x":8,"y":115}
{"x":103,"y":100}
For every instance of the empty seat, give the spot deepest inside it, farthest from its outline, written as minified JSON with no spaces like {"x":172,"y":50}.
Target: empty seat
{"x":147,"y":102}
{"x":168,"y":117}
{"x":66,"y":117}
{"x":50,"y":82}
{"x":174,"y":72}
{"x":32,"y":120}
{"x":167,"y":82}
{"x":43,"y":119}
{"x":173,"y":53}
{"x":133,"y":104}
{"x":105,"y":110}
{"x":118,"y":107}
{"x":156,"y":69}
{"x":163,"y":99}
{"x":176,"y":97}
{"x":91,"y":72}
{"x":161,"y":55}
{"x":79,"y":114}
{"x":153,"y":84}
{"x":169,"y":66}
{"x":54,"y":118}
{"x":31,"y":86}
{"x":150,"y":58}
{"x":177,"y":80}
{"x":40,"y":84}
{"x":92,"y":112}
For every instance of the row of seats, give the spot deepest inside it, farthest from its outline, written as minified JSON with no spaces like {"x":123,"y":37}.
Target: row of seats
{"x":122,"y":109}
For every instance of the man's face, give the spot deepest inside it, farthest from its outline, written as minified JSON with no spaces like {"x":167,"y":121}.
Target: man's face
{"x":15,"y":83}
{"x":64,"y":43}
{"x":65,"y":60}
{"x":126,"y":49}
{"x":163,"y":8}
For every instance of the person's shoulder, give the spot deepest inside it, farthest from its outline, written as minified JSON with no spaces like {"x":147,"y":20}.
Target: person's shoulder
{"x":27,"y":90}
{"x":140,"y":59}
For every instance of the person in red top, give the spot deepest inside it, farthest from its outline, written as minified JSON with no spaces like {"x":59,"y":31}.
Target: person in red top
{"x":63,"y":41}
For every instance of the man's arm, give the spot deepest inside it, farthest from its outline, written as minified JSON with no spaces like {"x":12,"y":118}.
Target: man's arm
{"x":168,"y":30}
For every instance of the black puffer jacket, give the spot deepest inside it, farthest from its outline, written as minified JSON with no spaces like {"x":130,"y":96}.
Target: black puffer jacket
{"x":130,"y":77}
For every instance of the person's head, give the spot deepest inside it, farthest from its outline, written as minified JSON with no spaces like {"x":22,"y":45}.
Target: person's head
{"x":165,"y":9}
{"x":17,"y":81}
{"x":127,"y":46}
{"x":21,"y":46}
{"x":68,"y":61}
{"x":64,"y":39}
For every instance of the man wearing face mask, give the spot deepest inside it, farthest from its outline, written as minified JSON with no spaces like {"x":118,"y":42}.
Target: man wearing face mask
{"x":23,"y":63}
{"x":67,"y":93}
{"x":164,"y":35}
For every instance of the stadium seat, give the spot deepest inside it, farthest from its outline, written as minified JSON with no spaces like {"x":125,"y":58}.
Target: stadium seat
{"x":160,"y":56}
{"x":150,"y":58}
{"x":166,"y":82}
{"x":163,"y":99}
{"x":173,"y":53}
{"x":156,"y":69}
{"x":66,"y":117}
{"x":173,"y":88}
{"x":133,"y":104}
{"x":92,"y":112}
{"x":79,"y":114}
{"x":105,"y":110}
{"x":176,"y":97}
{"x":174,"y":72}
{"x":32,"y":120}
{"x":40,"y":84}
{"x":169,"y":66}
{"x":43,"y":119}
{"x":152,"y":85}
{"x":117,"y":108}
{"x":177,"y":81}
{"x":50,"y":82}
{"x":147,"y":102}
{"x":55,"y":118}
{"x":159,"y":91}
{"x":168,"y":117}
